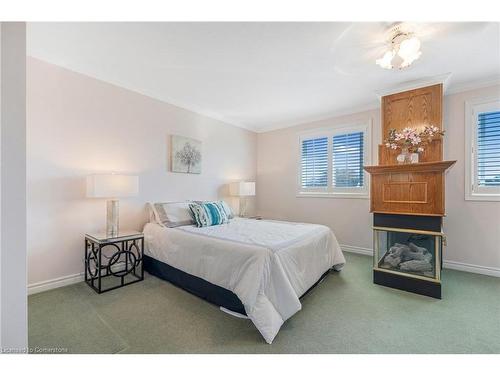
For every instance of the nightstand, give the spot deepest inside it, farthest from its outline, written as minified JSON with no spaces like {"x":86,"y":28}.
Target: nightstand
{"x":113,"y":262}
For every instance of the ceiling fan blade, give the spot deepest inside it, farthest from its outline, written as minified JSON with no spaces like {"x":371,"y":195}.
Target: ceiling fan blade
{"x":359,"y":44}
{"x":361,"y":35}
{"x":440,"y":29}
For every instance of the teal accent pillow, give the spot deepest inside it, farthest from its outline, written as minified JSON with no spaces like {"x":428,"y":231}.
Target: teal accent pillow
{"x":227,"y":209}
{"x":208,"y":214}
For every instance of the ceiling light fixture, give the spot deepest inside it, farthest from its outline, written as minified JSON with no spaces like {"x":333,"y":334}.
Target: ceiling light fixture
{"x":403,"y":50}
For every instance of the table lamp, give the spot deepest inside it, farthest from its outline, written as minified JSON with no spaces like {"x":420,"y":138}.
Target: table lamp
{"x":112,"y":186}
{"x":242,"y":189}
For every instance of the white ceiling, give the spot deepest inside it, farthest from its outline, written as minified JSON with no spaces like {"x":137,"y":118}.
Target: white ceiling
{"x":262,"y":76}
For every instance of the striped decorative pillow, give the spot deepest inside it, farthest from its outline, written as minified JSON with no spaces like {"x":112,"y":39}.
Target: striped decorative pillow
{"x":207,"y":214}
{"x":227,"y":209}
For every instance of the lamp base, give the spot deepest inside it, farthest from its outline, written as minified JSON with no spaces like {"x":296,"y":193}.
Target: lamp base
{"x":243,"y":207}
{"x":112,"y":224}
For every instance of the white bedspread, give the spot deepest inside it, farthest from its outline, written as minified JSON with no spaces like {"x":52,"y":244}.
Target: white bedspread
{"x":267,"y":264}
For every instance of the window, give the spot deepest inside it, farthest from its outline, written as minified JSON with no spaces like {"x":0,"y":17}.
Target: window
{"x":347,"y":160}
{"x":482,"y":174}
{"x":332,"y":160}
{"x":315,"y":163}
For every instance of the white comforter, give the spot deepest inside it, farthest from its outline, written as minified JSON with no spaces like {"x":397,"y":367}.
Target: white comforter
{"x":267,"y":264}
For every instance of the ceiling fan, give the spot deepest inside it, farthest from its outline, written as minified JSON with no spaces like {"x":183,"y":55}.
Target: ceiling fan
{"x":403,"y":50}
{"x":390,"y":45}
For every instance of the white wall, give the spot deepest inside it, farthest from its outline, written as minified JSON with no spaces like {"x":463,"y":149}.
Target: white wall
{"x":0,"y":185}
{"x":472,"y":228}
{"x":77,"y":126}
{"x":13,"y":301}
{"x":277,"y":158}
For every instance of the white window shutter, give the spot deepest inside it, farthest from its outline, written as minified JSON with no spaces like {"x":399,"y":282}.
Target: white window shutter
{"x":347,"y":160}
{"x":488,"y":149}
{"x":314,"y":163}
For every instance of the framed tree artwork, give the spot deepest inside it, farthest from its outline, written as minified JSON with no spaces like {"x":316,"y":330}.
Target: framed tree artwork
{"x":185,"y":154}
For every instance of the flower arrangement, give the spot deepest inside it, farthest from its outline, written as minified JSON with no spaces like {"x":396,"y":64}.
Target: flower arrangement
{"x":411,"y":140}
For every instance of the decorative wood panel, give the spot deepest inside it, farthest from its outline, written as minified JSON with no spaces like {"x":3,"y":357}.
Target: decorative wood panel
{"x":413,"y":189}
{"x":388,"y":157}
{"x":415,"y":109}
{"x":405,"y":192}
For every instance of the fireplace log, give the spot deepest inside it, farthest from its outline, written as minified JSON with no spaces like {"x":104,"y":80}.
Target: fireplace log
{"x":408,"y":258}
{"x":416,"y":266}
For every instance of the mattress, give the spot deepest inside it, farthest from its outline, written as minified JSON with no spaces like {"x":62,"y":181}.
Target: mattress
{"x":267,"y":264}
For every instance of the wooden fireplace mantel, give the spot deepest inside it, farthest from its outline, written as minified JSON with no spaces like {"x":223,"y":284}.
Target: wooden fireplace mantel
{"x":409,"y":189}
{"x":433,"y":166}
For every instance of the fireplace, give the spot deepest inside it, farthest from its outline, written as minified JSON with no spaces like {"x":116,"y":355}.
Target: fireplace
{"x":408,"y":200}
{"x":408,"y":253}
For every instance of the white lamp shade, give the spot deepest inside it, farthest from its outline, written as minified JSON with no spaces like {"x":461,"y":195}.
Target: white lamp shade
{"x":242,"y":189}
{"x":112,"y":186}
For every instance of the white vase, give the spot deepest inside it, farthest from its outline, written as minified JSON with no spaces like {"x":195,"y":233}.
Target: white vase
{"x":414,"y":157}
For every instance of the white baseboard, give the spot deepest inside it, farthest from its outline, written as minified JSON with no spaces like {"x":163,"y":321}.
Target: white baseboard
{"x":357,"y":250}
{"x":42,"y":286}
{"x":489,"y":271}
{"x":472,"y":268}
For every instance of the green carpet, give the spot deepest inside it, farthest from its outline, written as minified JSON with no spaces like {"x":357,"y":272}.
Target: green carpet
{"x":346,"y":313}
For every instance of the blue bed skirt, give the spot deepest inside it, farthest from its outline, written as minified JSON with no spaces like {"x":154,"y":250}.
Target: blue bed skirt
{"x":201,"y":288}
{"x":210,"y":292}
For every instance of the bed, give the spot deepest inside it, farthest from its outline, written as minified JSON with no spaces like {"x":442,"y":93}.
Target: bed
{"x":257,"y":268}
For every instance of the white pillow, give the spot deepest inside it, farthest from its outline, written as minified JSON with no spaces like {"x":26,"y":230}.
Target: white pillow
{"x":172,"y":214}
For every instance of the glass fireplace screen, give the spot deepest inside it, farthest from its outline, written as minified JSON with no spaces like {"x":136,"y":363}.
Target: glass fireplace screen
{"x":406,"y":252}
